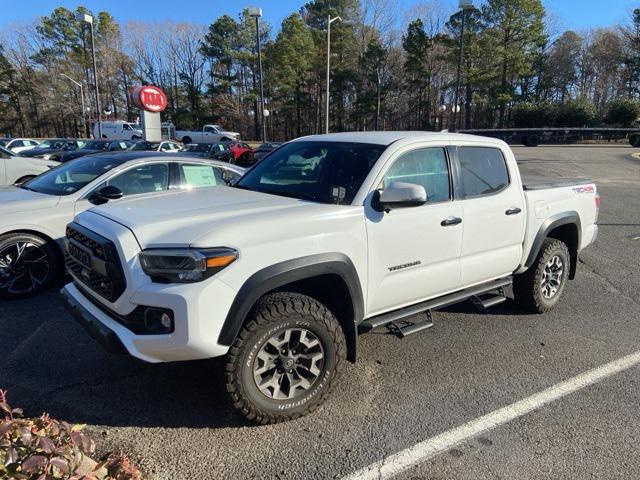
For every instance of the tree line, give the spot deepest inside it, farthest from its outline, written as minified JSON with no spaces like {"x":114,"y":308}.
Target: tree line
{"x":517,"y":69}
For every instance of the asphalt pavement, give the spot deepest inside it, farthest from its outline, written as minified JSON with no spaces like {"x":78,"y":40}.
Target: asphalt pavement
{"x":177,"y":421}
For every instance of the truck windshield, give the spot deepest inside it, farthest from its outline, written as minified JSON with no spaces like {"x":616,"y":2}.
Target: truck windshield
{"x":70,"y":177}
{"x":325,"y":172}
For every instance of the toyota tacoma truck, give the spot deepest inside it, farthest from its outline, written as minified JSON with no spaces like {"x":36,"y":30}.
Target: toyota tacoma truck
{"x":328,"y":236}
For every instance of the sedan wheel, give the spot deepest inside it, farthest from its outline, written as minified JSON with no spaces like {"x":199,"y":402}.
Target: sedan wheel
{"x":28,"y":264}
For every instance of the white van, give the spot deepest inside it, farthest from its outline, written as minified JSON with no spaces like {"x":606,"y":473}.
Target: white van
{"x":117,"y":130}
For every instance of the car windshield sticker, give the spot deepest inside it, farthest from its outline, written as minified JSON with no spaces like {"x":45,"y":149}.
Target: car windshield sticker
{"x":199,"y":175}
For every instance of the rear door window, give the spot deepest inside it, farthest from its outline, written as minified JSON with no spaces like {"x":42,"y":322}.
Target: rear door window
{"x":483,"y":171}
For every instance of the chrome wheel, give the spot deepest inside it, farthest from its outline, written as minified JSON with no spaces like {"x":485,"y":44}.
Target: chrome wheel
{"x":552,"y":277}
{"x":288,"y":364}
{"x":24,"y":267}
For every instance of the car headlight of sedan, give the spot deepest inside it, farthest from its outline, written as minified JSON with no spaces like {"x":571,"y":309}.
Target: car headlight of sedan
{"x":185,"y":265}
{"x":46,"y":156}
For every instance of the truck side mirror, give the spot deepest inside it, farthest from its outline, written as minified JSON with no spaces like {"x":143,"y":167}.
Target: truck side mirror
{"x":102,"y":196}
{"x":399,"y":195}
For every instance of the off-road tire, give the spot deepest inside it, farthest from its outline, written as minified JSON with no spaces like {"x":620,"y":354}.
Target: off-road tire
{"x":47,"y":248}
{"x":275,"y":313}
{"x":527,"y":287}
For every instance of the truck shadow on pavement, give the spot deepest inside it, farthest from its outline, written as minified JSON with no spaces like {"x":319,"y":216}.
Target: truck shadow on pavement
{"x":49,"y":364}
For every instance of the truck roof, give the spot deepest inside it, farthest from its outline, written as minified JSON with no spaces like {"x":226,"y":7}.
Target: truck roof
{"x":387,"y":138}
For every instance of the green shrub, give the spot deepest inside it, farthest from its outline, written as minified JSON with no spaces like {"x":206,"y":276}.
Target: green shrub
{"x":45,"y":448}
{"x":623,"y":112}
{"x":576,"y":113}
{"x":534,"y":115}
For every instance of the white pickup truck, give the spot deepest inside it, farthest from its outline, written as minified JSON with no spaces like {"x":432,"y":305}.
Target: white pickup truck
{"x":208,"y":134}
{"x":327,"y":236}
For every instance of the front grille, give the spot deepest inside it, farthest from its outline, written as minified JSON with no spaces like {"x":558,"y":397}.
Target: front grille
{"x":104,"y":276}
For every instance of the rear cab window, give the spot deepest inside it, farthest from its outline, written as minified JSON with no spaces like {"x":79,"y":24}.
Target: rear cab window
{"x":482,"y":171}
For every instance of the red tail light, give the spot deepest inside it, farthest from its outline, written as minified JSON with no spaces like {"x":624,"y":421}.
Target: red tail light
{"x":597,"y":198}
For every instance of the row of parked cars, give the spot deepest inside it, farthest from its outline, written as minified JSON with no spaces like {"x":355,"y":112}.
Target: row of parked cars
{"x":43,"y":187}
{"x":50,"y":152}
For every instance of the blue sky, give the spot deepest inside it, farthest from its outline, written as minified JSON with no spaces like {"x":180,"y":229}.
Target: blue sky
{"x":574,"y":14}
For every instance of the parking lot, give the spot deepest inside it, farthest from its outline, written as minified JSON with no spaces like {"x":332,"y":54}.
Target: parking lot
{"x":177,"y":420}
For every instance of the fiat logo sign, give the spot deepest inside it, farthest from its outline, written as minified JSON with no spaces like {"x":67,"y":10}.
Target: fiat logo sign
{"x":149,"y":98}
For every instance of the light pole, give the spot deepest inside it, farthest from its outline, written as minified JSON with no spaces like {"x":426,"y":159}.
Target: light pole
{"x":330,"y":20}
{"x":86,"y":18}
{"x":256,"y":13}
{"x":463,"y":5}
{"x":79,"y":85}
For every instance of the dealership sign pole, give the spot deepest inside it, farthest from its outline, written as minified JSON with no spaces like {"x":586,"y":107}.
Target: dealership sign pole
{"x":151,"y":101}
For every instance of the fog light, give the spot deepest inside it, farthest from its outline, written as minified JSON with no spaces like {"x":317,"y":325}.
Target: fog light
{"x":158,"y":321}
{"x":166,"y":321}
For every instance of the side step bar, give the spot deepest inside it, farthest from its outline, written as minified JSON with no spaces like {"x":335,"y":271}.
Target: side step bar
{"x":437,"y":303}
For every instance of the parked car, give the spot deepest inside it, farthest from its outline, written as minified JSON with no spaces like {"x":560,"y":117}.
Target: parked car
{"x":243,"y":153}
{"x":328,"y":234}
{"x":164,"y":146}
{"x":262,"y":150}
{"x":208,"y":134}
{"x":33,"y":216}
{"x":117,"y":130}
{"x":19,"y":169}
{"x":96,"y":146}
{"x":218,"y":151}
{"x":17,"y":145}
{"x":53,"y":148}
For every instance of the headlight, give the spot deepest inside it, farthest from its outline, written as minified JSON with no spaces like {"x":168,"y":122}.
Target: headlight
{"x":46,"y":156}
{"x":185,"y":265}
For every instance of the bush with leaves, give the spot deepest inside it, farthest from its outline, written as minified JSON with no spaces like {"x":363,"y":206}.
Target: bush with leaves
{"x":44,"y":448}
{"x":534,"y":115}
{"x":623,"y":112}
{"x":576,"y":113}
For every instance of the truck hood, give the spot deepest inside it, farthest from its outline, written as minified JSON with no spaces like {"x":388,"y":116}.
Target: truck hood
{"x":195,"y":217}
{"x":16,"y":200}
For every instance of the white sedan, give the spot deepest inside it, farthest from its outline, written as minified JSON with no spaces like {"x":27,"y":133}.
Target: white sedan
{"x":17,"y":145}
{"x":18,"y":169}
{"x":34,"y":215}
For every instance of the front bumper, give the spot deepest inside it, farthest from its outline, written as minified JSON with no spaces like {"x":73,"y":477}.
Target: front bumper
{"x":96,"y":329}
{"x":195,"y":336}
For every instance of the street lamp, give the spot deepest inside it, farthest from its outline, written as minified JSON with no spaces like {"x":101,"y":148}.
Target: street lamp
{"x":86,"y":18}
{"x":464,"y":5}
{"x":330,"y":20}
{"x":256,"y":12}
{"x":78,"y":84}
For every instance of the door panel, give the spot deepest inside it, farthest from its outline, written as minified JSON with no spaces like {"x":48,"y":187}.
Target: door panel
{"x":412,"y":256}
{"x":492,"y":239}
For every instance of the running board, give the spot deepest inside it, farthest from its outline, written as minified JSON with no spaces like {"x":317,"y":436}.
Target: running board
{"x":483,"y":304}
{"x":435,"y":304}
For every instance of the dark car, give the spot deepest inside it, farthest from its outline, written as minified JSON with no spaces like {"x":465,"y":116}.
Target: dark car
{"x":53,"y":148}
{"x":96,"y":146}
{"x":217,"y":151}
{"x":260,"y":152}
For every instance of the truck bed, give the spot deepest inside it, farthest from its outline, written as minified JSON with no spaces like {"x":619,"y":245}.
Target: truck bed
{"x":539,"y":182}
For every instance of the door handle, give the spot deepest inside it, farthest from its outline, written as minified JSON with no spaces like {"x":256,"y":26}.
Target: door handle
{"x":447,"y":222}
{"x":513,"y":211}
